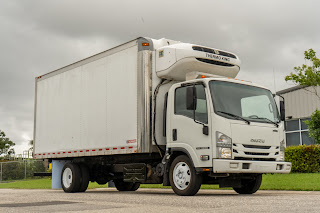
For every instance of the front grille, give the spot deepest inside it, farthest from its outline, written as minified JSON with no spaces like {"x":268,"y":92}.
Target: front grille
{"x":256,"y":153}
{"x":219,"y":63}
{"x":256,"y":147}
{"x":208,"y":50}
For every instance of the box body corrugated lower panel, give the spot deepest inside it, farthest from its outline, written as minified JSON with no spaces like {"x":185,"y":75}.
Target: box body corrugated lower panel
{"x":90,"y":108}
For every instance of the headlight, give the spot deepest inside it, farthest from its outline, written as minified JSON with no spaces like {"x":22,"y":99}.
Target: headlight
{"x":224,"y":152}
{"x":282,"y":149}
{"x":223,"y":140}
{"x":224,"y":145}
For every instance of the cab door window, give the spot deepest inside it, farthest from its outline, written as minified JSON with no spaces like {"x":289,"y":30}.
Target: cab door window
{"x":180,"y":107}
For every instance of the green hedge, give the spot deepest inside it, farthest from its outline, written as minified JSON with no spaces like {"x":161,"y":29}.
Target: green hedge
{"x":304,"y":159}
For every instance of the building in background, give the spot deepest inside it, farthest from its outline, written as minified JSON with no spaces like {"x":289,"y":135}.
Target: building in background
{"x":300,"y":103}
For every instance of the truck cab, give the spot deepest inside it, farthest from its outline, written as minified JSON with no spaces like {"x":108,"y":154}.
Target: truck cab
{"x":227,"y":128}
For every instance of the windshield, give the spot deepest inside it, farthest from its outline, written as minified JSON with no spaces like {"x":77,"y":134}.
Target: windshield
{"x":237,"y":100}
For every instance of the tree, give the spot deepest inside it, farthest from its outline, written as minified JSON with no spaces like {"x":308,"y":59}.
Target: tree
{"x":309,"y":76}
{"x":6,"y":145}
{"x":314,"y":126}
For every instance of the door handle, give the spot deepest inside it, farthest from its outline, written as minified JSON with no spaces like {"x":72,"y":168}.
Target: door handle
{"x":174,"y":134}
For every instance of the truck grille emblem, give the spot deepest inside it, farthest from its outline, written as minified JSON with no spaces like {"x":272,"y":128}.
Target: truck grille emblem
{"x":258,"y":140}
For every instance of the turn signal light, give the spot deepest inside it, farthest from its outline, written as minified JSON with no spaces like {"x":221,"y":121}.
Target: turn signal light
{"x":204,"y":157}
{"x":145,"y":44}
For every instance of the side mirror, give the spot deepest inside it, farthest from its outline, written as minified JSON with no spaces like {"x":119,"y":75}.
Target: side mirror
{"x":282,"y":111}
{"x":191,"y":99}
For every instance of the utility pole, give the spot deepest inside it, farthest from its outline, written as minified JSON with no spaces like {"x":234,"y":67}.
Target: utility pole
{"x":1,"y":171}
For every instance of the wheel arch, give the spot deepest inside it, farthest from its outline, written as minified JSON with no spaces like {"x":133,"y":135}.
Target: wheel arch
{"x":177,"y":151}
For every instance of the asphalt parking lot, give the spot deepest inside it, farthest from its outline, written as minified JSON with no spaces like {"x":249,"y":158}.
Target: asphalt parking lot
{"x":156,"y":200}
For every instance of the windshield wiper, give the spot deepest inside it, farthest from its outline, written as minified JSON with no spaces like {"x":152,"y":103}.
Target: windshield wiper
{"x":270,"y":121}
{"x":235,"y":116}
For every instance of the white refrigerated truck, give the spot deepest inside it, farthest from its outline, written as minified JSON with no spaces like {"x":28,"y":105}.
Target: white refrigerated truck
{"x":158,"y":111}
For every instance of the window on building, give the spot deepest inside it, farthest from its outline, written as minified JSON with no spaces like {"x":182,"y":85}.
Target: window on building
{"x":297,"y":133}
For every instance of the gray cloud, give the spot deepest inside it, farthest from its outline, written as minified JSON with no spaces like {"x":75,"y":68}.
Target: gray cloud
{"x":40,"y":36}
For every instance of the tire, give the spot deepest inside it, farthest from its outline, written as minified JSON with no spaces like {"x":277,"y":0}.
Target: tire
{"x":70,"y":178}
{"x":249,"y":186}
{"x":126,"y":186}
{"x":135,"y":187}
{"x":183,"y":177}
{"x":85,"y":178}
{"x":102,"y":181}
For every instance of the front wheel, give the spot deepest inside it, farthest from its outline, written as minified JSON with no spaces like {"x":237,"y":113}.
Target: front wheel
{"x":183,"y":177}
{"x":249,"y":186}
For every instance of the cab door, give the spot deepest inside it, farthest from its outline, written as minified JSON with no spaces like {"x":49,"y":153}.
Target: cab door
{"x":189,"y":129}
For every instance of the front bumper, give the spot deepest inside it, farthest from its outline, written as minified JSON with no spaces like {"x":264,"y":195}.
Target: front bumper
{"x":247,"y":166}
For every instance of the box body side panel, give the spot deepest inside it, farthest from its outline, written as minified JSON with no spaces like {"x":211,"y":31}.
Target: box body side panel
{"x":90,"y":109}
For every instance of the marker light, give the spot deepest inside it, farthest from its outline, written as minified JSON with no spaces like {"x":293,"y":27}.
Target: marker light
{"x":203,"y":76}
{"x":204,"y":157}
{"x":145,"y":44}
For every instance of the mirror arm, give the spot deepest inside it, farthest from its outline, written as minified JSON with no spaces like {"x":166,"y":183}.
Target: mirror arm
{"x":282,"y":111}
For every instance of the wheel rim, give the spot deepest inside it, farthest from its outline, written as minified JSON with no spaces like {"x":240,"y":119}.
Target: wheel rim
{"x":181,"y":175}
{"x":67,"y":177}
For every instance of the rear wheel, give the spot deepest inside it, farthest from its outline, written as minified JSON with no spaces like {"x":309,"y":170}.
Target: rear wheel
{"x":183,"y":177}
{"x":71,"y":177}
{"x":102,"y":180}
{"x":126,"y":186}
{"x":85,"y":178}
{"x":249,"y":186}
{"x":135,"y":187}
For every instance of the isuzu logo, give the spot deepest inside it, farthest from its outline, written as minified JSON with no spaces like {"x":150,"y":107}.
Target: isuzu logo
{"x":257,"y":140}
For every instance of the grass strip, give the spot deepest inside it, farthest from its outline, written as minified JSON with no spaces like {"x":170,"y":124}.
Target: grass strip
{"x":294,"y":181}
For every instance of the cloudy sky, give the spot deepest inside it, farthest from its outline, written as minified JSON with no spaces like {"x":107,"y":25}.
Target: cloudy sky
{"x":37,"y":36}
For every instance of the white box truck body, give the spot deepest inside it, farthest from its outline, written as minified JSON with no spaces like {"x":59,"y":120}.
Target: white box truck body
{"x":158,"y":111}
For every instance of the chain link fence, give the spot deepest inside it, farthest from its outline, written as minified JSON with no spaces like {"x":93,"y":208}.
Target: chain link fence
{"x":22,"y":169}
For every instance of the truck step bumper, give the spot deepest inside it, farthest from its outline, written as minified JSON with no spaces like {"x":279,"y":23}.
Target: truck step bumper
{"x":246,"y":166}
